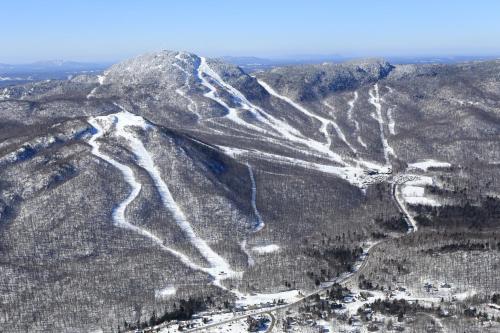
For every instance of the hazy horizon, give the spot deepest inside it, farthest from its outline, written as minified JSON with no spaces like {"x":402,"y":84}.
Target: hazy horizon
{"x":291,"y":57}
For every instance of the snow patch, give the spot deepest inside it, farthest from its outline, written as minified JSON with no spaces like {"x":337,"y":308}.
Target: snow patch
{"x":165,"y":293}
{"x":426,"y":164}
{"x":252,"y":299}
{"x":264,"y":249}
{"x":391,"y":124}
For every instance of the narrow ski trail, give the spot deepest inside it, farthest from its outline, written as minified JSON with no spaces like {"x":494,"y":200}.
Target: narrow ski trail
{"x":350,"y":116}
{"x":339,"y":131}
{"x":260,"y":222}
{"x":375,"y":101}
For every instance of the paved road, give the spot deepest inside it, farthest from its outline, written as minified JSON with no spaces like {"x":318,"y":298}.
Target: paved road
{"x":273,"y":322}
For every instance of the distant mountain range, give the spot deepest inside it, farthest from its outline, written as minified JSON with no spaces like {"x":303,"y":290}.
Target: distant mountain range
{"x":252,"y":64}
{"x":11,"y":74}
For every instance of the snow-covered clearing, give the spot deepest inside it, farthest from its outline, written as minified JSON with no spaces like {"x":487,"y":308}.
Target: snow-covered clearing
{"x":101,"y":126}
{"x":264,"y":249}
{"x":251,"y":299}
{"x":260,"y":222}
{"x":413,"y":191}
{"x":426,"y":164}
{"x":166,"y":292}
{"x":402,"y":205}
{"x":375,"y":101}
{"x":5,"y":94}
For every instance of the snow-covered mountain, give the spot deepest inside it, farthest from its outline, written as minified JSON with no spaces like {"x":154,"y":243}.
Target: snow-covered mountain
{"x":171,"y":176}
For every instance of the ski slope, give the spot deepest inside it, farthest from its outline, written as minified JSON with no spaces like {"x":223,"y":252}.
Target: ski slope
{"x":122,"y":124}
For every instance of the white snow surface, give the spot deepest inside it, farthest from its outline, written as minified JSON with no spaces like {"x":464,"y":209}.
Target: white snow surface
{"x":264,"y":249}
{"x":250,"y":259}
{"x":413,"y":191}
{"x":100,"y":80}
{"x":426,"y":164}
{"x":250,"y":299}
{"x":5,"y":94}
{"x":166,"y":292}
{"x":205,"y":69}
{"x":402,"y":203}
{"x":391,"y":123}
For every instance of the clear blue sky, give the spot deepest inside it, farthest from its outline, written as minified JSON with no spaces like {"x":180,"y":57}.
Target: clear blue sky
{"x":109,"y":30}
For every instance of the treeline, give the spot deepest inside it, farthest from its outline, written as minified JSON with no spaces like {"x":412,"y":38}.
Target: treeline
{"x":469,"y":246}
{"x":184,"y":311}
{"x":341,"y":258}
{"x":486,"y":215}
{"x":396,"y":307}
{"x":394,"y":223}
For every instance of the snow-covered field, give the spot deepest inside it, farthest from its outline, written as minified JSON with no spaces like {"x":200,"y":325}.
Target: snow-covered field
{"x":263,"y":249}
{"x":426,"y":164}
